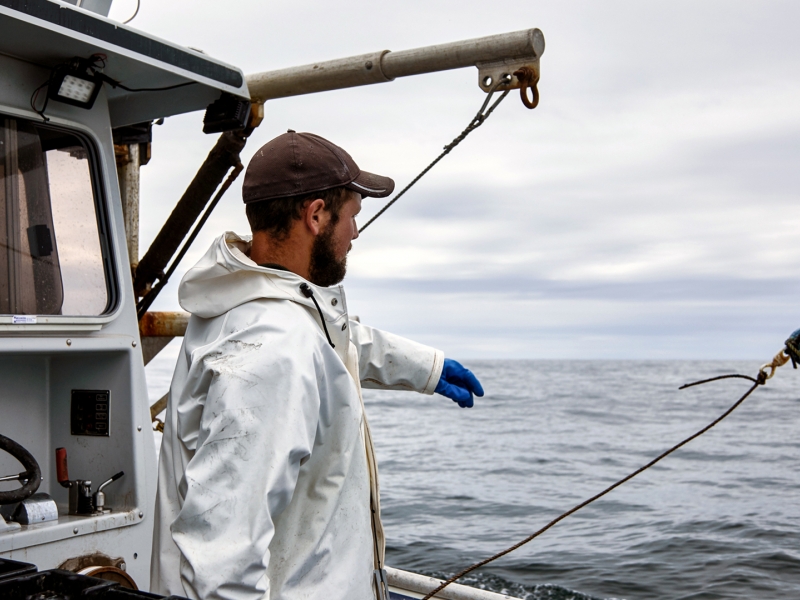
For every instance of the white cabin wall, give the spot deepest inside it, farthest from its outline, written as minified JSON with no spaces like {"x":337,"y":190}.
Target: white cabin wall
{"x":39,"y":369}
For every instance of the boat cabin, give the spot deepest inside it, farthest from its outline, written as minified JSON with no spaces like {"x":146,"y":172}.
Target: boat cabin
{"x":71,"y":82}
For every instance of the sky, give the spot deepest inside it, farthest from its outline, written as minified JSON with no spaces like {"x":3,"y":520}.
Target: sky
{"x":647,"y":209}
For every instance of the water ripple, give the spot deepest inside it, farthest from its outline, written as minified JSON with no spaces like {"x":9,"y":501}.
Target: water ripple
{"x":717,"y":520}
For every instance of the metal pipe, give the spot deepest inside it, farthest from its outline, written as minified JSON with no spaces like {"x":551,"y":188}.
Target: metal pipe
{"x":157,"y":329}
{"x":318,"y":77}
{"x":406,"y":581}
{"x":383,"y":66}
{"x":163,"y":324}
{"x":467,"y":53}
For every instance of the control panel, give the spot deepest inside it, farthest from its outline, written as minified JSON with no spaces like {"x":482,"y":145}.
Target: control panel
{"x":89,"y":414}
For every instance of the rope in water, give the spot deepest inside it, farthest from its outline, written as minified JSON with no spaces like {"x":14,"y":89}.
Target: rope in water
{"x":780,"y":359}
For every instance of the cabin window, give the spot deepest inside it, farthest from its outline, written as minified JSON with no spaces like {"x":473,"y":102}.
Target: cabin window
{"x":51,"y":256}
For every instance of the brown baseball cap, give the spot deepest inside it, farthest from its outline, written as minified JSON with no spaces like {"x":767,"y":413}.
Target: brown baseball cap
{"x":295,"y":164}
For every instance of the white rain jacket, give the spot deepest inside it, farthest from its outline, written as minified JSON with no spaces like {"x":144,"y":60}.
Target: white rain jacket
{"x":266,"y":466}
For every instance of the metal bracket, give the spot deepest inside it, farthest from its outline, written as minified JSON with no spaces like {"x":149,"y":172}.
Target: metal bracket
{"x":489,"y":73}
{"x":519,"y":73}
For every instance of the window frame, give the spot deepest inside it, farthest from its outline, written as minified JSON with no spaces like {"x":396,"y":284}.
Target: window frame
{"x":87,"y":137}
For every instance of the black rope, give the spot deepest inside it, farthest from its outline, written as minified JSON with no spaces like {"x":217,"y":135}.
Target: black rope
{"x":760,"y":380}
{"x":733,"y":376}
{"x":476,"y":122}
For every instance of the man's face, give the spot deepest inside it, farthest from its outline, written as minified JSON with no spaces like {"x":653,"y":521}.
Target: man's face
{"x":329,"y":252}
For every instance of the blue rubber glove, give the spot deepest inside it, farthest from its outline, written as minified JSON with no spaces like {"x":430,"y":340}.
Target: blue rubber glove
{"x":458,"y":383}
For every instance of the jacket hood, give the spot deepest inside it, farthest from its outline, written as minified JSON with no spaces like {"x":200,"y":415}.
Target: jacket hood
{"x":226,"y":277}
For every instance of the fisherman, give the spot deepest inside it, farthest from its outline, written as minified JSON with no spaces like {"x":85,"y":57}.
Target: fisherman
{"x":267,"y":480}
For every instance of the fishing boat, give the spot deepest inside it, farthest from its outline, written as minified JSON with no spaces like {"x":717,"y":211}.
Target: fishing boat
{"x":79,"y":94}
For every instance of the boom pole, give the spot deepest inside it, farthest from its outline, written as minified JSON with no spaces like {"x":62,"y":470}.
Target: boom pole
{"x":491,"y":54}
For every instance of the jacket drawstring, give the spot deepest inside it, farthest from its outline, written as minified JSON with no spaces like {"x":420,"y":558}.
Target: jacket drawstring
{"x":306,"y":291}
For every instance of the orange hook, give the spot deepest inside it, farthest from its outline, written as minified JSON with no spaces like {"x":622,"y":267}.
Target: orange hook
{"x":528,"y":79}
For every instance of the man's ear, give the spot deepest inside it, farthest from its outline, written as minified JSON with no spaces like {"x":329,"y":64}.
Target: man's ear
{"x":315,"y":216}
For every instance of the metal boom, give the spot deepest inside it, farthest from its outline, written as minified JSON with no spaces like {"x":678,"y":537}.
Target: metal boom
{"x":487,"y":53}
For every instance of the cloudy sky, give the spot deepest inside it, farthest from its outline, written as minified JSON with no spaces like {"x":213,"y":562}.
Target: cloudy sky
{"x":647,"y":209}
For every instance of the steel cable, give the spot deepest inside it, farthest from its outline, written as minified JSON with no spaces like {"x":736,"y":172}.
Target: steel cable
{"x":476,"y":122}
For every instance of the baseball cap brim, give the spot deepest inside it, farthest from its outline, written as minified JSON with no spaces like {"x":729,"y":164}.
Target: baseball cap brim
{"x":370,"y":184}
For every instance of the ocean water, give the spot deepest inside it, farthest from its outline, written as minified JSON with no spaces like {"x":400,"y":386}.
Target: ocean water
{"x":719,"y":519}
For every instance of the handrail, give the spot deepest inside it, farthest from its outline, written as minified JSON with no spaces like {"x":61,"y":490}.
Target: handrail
{"x":405,"y":581}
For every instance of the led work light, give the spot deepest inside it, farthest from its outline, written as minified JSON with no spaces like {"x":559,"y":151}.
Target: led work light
{"x":78,"y":82}
{"x":75,"y":83}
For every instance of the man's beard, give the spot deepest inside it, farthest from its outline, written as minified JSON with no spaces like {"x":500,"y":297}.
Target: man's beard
{"x":325,"y":269}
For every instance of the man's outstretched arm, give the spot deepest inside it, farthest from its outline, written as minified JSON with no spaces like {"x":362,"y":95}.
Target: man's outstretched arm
{"x":388,"y":361}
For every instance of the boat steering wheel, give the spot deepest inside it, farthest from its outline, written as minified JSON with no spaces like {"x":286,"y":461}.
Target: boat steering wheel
{"x":30,"y":478}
